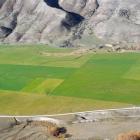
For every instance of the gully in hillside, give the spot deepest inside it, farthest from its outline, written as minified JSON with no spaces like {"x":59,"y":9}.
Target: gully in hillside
{"x":71,"y":19}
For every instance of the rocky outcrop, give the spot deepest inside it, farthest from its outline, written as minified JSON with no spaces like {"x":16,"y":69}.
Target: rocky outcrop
{"x":69,"y":22}
{"x":117,"y":20}
{"x":84,"y":8}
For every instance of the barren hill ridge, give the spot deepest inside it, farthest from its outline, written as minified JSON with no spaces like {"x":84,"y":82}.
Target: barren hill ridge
{"x":69,"y":22}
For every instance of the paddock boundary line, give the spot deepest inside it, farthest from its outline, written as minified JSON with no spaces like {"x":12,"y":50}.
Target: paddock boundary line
{"x":65,"y":114}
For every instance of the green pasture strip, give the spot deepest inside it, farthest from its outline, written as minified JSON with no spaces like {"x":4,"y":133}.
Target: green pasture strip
{"x":32,"y":47}
{"x":69,"y":61}
{"x":46,"y":86}
{"x":16,"y":77}
{"x":33,"y":55}
{"x":134,"y":72}
{"x":15,"y":103}
{"x":33,"y":84}
{"x":101,"y":78}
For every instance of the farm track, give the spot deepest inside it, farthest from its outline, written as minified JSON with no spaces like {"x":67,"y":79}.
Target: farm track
{"x":106,"y":123}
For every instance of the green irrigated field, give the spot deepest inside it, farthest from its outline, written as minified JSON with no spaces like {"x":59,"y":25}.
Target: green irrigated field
{"x":108,"y":77}
{"x":18,"y":77}
{"x":45,"y":80}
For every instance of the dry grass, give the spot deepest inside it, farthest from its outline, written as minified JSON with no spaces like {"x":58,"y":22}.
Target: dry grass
{"x":32,"y":104}
{"x":129,"y":136}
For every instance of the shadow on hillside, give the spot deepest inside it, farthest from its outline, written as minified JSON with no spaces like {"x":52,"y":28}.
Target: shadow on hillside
{"x":71,"y":19}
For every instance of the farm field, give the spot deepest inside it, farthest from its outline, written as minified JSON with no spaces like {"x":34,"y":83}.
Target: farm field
{"x":44,"y":80}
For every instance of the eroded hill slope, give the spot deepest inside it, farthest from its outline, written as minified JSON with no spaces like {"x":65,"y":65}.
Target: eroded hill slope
{"x":68,"y":22}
